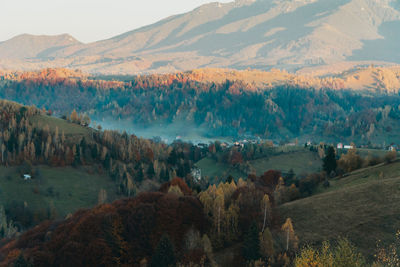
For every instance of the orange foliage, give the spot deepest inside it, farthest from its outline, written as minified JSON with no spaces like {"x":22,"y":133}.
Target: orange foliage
{"x":179,"y":182}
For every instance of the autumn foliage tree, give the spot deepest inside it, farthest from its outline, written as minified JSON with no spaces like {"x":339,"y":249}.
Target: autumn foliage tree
{"x":122,"y":233}
{"x":228,"y":107}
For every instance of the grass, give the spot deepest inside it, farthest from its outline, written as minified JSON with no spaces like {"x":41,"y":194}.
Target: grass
{"x":67,"y":188}
{"x":363,"y":207}
{"x":211,"y":168}
{"x":69,"y":129}
{"x":301,"y":161}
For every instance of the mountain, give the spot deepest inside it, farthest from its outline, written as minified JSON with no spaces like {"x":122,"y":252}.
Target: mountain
{"x":30,"y":46}
{"x":246,"y":33}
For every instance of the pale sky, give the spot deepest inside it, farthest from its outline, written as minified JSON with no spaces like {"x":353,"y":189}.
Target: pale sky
{"x":86,"y":20}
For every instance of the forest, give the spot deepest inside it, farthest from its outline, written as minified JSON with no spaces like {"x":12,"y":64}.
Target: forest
{"x":163,"y":215}
{"x":213,"y":216}
{"x":27,"y":141}
{"x":231,"y":108}
{"x":160,"y":213}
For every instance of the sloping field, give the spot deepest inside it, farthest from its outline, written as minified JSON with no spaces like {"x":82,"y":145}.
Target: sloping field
{"x":64,"y":188}
{"x":301,"y":162}
{"x":365,"y":207}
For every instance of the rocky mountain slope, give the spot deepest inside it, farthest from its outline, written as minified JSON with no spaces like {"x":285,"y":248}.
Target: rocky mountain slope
{"x":290,"y":34}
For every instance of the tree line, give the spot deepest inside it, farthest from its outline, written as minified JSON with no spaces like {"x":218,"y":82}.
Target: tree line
{"x":230,"y":108}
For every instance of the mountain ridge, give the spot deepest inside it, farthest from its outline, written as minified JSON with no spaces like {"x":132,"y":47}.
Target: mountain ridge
{"x":28,"y":45}
{"x":290,"y":34}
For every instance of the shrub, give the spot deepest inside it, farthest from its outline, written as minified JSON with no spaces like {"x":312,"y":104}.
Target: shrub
{"x":390,"y":156}
{"x":350,"y":161}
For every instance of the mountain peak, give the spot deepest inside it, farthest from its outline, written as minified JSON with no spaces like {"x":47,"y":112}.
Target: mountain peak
{"x":31,"y":46}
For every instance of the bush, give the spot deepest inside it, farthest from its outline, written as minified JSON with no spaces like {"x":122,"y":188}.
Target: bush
{"x":350,"y":161}
{"x":390,"y":156}
{"x":388,"y":256}
{"x":372,"y":161}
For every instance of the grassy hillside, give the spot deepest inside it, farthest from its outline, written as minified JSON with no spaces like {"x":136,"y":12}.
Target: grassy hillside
{"x":363,"y":207}
{"x":299,"y":159}
{"x":67,"y":189}
{"x":211,"y":168}
{"x":69,"y":129}
{"x":56,"y":190}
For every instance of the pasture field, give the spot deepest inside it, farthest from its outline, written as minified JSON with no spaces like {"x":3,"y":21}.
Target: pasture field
{"x":364,"y":207}
{"x":65,"y":188}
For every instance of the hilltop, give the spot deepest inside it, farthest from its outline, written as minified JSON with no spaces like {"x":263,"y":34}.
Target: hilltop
{"x":371,"y":78}
{"x":34,"y":46}
{"x":258,"y":34}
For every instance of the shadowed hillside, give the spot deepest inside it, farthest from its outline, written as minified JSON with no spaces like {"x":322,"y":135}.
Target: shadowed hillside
{"x":123,"y":233}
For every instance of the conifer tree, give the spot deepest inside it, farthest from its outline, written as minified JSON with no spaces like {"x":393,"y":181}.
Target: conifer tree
{"x":164,"y":255}
{"x":139,"y":175}
{"x":329,"y":161}
{"x":21,"y":262}
{"x":172,"y":158}
{"x":164,"y":175}
{"x":150,"y":170}
{"x":251,"y":245}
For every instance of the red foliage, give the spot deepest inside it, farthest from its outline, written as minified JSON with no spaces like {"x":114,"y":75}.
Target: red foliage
{"x":120,"y":233}
{"x":249,"y":199}
{"x":236,"y":158}
{"x":179,"y":182}
{"x":194,"y":256}
{"x":270,"y":178}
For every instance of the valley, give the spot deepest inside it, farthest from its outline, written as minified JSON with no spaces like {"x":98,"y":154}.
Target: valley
{"x":246,"y":133}
{"x":56,"y":188}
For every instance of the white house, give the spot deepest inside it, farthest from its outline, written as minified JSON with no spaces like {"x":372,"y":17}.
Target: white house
{"x":196,"y":173}
{"x":27,"y":177}
{"x":238,"y":144}
{"x":348,"y":147}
